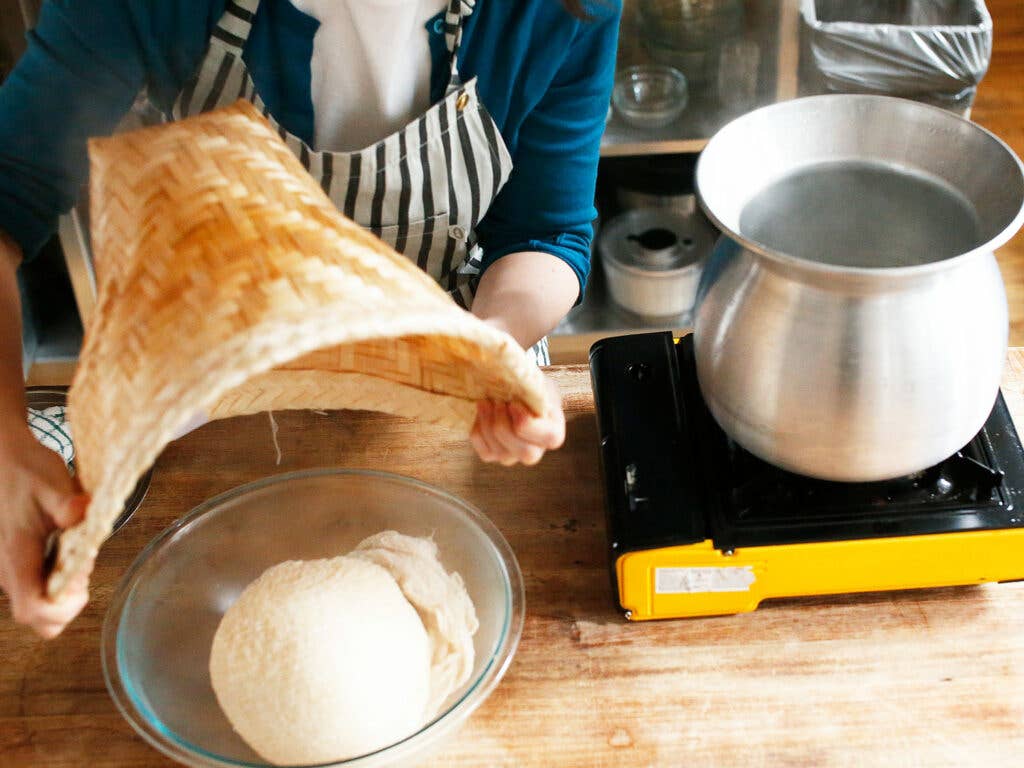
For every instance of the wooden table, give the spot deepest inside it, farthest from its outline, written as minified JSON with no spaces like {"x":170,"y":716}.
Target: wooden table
{"x":923,"y":678}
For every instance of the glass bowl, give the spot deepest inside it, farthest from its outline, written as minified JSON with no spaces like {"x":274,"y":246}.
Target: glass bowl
{"x":650,"y":96}
{"x":160,"y":625}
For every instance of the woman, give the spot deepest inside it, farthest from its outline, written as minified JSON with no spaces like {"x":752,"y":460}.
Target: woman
{"x":463,"y":132}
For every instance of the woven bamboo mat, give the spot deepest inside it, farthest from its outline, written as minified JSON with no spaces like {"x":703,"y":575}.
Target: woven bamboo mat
{"x":230,"y":284}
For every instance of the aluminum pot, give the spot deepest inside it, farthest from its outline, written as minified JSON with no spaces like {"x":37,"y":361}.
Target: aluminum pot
{"x":851,"y":322}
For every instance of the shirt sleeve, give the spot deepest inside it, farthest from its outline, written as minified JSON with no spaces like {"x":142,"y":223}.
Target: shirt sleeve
{"x":548,"y":203}
{"x":85,"y":63}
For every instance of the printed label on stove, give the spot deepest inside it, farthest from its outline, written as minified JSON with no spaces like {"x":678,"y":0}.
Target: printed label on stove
{"x":679,"y":581}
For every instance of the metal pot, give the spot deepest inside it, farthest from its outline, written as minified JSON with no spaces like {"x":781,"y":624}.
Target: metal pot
{"x":852,"y":322}
{"x":652,"y":260}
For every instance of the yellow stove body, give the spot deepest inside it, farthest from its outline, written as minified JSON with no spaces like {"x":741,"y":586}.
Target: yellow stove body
{"x":699,"y":580}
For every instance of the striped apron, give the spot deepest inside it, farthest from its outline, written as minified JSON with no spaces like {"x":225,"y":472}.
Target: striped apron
{"x":422,"y":190}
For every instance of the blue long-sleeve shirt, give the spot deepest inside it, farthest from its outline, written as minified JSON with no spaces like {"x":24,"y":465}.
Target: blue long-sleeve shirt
{"x":544,"y":76}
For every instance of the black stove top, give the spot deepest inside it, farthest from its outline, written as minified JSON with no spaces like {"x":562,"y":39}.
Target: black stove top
{"x":673,"y":476}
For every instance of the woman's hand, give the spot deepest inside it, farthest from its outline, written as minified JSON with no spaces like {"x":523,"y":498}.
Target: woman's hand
{"x":524,"y":295}
{"x":37,"y":495}
{"x":39,"y":498}
{"x":507,"y":433}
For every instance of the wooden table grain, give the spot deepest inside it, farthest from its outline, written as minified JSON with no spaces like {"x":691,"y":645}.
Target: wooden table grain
{"x":921,"y":678}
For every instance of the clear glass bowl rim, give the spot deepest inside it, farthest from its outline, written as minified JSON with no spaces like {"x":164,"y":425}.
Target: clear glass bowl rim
{"x":630,"y":75}
{"x":663,"y":109}
{"x":431,"y":733}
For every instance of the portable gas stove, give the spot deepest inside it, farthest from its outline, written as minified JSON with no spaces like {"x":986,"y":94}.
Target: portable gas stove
{"x":697,"y":526}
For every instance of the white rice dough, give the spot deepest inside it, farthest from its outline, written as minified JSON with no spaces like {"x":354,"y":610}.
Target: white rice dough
{"x":323,"y":660}
{"x":441,"y":600}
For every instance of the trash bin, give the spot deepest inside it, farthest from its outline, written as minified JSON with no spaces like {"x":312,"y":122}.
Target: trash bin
{"x":935,"y":51}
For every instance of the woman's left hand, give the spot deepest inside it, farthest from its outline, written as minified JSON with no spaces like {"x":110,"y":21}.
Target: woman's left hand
{"x":507,"y":433}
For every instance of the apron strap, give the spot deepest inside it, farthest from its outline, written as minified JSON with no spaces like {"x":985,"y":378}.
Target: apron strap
{"x":235,"y":24}
{"x":454,"y":20}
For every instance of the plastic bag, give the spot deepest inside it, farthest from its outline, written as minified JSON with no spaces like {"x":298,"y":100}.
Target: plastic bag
{"x":936,"y":51}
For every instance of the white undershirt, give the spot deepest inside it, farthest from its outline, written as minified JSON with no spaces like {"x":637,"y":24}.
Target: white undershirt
{"x":370,"y":72}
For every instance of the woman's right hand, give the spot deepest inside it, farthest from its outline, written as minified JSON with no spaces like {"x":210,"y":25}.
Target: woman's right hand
{"x":39,"y":497}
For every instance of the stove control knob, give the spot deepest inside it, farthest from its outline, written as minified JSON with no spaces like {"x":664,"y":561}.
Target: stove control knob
{"x":639,"y":371}
{"x":630,"y":477}
{"x":633,"y":496}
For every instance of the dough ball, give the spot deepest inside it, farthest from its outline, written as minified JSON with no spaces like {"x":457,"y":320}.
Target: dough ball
{"x":441,"y":600}
{"x":322,"y":660}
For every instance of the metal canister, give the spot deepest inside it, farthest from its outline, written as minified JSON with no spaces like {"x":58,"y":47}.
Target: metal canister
{"x":652,"y":259}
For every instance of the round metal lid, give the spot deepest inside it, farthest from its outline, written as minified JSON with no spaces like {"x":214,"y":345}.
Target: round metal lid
{"x":656,"y":240}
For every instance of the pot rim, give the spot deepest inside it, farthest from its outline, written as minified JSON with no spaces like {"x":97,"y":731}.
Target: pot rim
{"x":796,"y":262}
